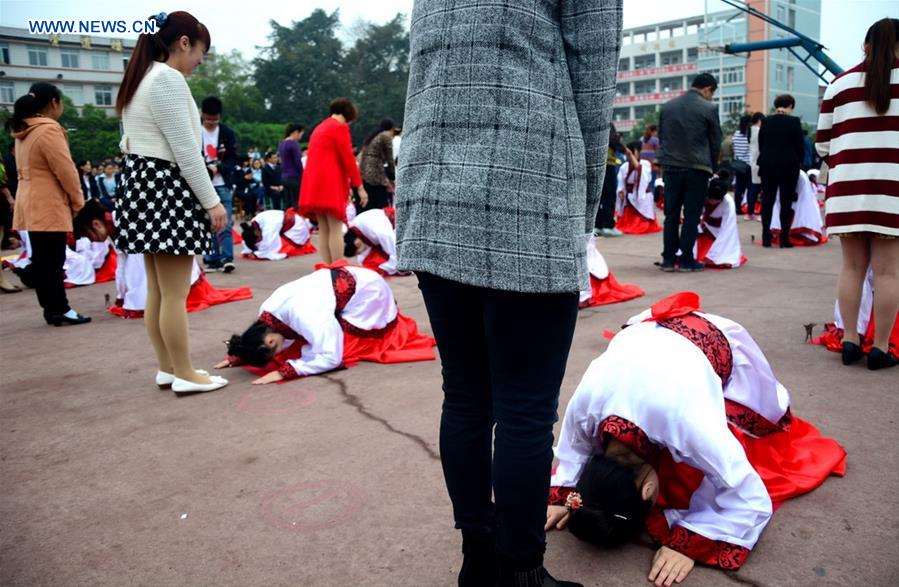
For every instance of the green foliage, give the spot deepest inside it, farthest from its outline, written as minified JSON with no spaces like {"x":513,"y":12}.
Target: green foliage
{"x":260,"y":134}
{"x":731,"y":123}
{"x":229,"y":77}
{"x":636,"y":133}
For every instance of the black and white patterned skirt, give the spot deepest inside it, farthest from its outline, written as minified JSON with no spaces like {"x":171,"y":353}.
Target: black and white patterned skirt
{"x":157,"y":212}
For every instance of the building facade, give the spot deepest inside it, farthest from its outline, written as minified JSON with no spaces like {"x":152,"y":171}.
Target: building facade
{"x":87,"y":69}
{"x":658,"y":62}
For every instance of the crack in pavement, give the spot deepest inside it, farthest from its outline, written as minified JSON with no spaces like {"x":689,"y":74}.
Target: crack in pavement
{"x":355,"y":402}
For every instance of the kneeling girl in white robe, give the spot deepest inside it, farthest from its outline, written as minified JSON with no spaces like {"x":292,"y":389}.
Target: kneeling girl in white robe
{"x":697,"y":445}
{"x":95,"y":224}
{"x":336,"y":316}
{"x":371,"y":239}
{"x":807,"y":229}
{"x":274,"y":235}
{"x":718,"y":243}
{"x":636,"y":200}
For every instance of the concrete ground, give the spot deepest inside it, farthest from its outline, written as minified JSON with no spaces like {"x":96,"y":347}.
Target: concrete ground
{"x":336,"y":481}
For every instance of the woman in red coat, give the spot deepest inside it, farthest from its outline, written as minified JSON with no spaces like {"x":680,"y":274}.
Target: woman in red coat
{"x":330,"y":172}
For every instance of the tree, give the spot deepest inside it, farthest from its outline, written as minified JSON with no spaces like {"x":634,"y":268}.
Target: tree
{"x":636,"y":133}
{"x":378,"y":69}
{"x":230,"y":77}
{"x":300,"y":73}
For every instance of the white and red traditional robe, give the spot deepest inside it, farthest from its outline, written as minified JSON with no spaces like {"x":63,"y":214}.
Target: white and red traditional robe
{"x":337,"y":316}
{"x":636,"y":210}
{"x":833,"y":331}
{"x":86,"y":262}
{"x":718,"y":243}
{"x":377,"y":230}
{"x":604,"y":288}
{"x":807,"y":229}
{"x":709,"y":415}
{"x":284,"y":234}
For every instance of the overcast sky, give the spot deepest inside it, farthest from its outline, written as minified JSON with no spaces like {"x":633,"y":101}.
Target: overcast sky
{"x":245,"y":25}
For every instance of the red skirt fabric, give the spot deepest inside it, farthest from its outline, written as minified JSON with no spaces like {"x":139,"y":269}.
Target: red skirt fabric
{"x":402,"y":344}
{"x":203,"y":295}
{"x":632,"y":222}
{"x":790,"y":462}
{"x":609,"y":291}
{"x":105,"y":273}
{"x":376,"y":256}
{"x":236,"y":237}
{"x":704,"y":242}
{"x":832,"y":338}
{"x":800,"y":237}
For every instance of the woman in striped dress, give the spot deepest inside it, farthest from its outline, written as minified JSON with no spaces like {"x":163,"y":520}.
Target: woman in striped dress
{"x":856,"y":136}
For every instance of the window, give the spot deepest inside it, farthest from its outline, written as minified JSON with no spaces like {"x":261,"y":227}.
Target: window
{"x":672,"y":57}
{"x":732,"y":75}
{"x":7,"y":92}
{"x":731,"y":104}
{"x":621,"y":114}
{"x":779,"y":73}
{"x":624,"y":64}
{"x":100,"y":60}
{"x":791,"y":18}
{"x":75,"y":94}
{"x":103,"y":95}
{"x":37,"y":56}
{"x":641,"y":112}
{"x":623,"y":89}
{"x":69,"y":57}
{"x":645,"y":87}
{"x":781,"y":13}
{"x":124,"y":64}
{"x":644,"y":61}
{"x":791,"y":78}
{"x":692,"y":54}
{"x":4,"y":53}
{"x":672,"y":84}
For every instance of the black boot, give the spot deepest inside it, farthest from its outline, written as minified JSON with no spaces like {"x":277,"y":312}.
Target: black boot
{"x":851,"y":352}
{"x":479,"y":565}
{"x":512,"y":575}
{"x":877,"y":359}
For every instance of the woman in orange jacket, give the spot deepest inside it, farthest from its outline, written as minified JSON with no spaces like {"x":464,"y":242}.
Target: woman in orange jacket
{"x":49,"y":194}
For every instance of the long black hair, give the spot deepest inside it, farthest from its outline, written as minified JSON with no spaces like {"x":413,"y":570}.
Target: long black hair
{"x":250,"y":346}
{"x":250,"y":235}
{"x":349,"y":244}
{"x":745,"y":123}
{"x":612,"y":510}
{"x":92,"y":210}
{"x":880,"y":53}
{"x":719,"y":185}
{"x":386,"y":124}
{"x":39,"y":96}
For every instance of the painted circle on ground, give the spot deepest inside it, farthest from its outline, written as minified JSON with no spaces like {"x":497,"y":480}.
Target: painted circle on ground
{"x":312,"y":505}
{"x":267,"y":400}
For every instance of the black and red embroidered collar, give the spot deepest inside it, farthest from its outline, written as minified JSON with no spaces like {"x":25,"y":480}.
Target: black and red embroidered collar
{"x":271,"y":321}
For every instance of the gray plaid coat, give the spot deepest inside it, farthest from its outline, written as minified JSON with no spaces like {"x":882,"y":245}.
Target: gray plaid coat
{"x":504,"y":139}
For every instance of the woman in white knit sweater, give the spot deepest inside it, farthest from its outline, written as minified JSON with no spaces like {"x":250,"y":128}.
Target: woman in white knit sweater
{"x":169,"y":208}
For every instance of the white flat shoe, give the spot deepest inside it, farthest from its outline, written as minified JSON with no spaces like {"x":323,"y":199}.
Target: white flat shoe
{"x":185,"y":386}
{"x":164,"y":380}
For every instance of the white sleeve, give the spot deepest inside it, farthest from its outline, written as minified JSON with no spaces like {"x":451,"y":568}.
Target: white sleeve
{"x":168,"y":96}
{"x":323,"y":351}
{"x":574,"y":449}
{"x":622,"y":177}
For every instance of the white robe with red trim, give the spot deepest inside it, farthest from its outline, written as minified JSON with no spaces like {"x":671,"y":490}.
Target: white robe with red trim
{"x":81,"y":264}
{"x":376,"y":227}
{"x":271,"y":223}
{"x":725,"y":249}
{"x":864,"y":308}
{"x":307,"y":306}
{"x":131,"y":281}
{"x":677,"y":400}
{"x":24,"y":258}
{"x":640,"y":195}
{"x":807,"y":221}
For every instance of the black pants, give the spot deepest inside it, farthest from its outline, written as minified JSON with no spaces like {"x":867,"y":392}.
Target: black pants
{"x":503,"y":356}
{"x":784,"y":180}
{"x":742,"y":181}
{"x":291,"y":194}
{"x":605,"y":216}
{"x":752,"y":196}
{"x":378,"y":197}
{"x":685,"y":189}
{"x":48,"y":255}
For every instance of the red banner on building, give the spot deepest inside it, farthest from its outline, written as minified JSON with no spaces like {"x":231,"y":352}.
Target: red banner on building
{"x":656,"y":71}
{"x":651,"y":97}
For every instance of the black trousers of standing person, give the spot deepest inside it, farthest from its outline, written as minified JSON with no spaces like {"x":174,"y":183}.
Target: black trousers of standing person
{"x":605,"y":216}
{"x":772,"y":181}
{"x":48,"y":255}
{"x":742,"y":181}
{"x":290,"y":197}
{"x":685,"y":189}
{"x":503,"y":356}
{"x":378,"y":197}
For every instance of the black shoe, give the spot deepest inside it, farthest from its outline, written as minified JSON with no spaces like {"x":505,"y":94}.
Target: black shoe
{"x":538,"y":577}
{"x":691,"y":266}
{"x":667,"y":266}
{"x":766,"y":245}
{"x":229,"y":266}
{"x":851,"y":352}
{"x":479,"y":565}
{"x":62,"y":319}
{"x":214,"y":268}
{"x":877,"y":359}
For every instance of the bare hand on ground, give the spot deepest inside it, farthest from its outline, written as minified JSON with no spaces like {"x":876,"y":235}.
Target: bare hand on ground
{"x":669,"y":567}
{"x":557,"y":517}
